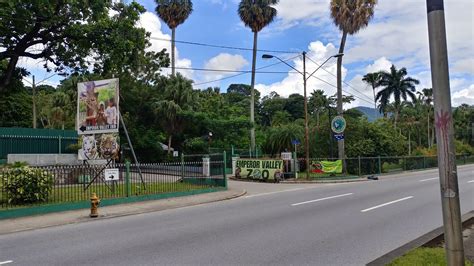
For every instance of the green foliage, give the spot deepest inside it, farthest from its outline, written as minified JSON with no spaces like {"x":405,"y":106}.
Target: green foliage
{"x":25,"y":185}
{"x":423,"y":256}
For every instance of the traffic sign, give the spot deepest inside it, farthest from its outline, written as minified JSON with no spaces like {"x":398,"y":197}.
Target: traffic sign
{"x":111,"y":174}
{"x":338,"y":124}
{"x":339,"y":137}
{"x":295,"y":142}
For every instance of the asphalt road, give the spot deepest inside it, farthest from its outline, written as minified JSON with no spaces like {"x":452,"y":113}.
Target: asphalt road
{"x":343,"y":224}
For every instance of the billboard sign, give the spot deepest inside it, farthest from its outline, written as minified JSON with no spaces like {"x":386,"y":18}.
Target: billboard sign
{"x":259,"y":169}
{"x":99,"y":147}
{"x":326,"y":167}
{"x":97,"y":107}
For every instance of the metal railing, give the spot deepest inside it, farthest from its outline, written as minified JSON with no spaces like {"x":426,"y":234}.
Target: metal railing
{"x":362,"y":166}
{"x":68,"y":184}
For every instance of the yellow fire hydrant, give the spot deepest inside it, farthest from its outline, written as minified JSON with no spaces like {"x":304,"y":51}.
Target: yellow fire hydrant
{"x":95,"y":201}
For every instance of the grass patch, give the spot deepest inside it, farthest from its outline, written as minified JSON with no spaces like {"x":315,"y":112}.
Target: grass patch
{"x":76,"y":193}
{"x":314,"y":176}
{"x":423,"y":256}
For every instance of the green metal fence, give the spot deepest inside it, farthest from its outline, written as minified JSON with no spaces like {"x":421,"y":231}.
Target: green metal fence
{"x":28,"y":187}
{"x":35,"y":141}
{"x":363,"y":166}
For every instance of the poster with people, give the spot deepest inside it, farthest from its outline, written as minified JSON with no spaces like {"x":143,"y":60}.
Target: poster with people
{"x":99,"y":147}
{"x":98,"y":107}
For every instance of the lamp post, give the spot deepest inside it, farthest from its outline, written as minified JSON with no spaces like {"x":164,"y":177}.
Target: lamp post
{"x":305,"y":79}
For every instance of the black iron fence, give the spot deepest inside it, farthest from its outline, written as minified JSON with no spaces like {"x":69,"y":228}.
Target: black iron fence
{"x":32,"y":186}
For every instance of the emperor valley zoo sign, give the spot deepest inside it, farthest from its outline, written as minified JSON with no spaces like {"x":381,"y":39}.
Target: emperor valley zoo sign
{"x":259,"y":169}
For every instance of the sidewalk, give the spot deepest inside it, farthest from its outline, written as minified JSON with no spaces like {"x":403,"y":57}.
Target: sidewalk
{"x":78,"y":216}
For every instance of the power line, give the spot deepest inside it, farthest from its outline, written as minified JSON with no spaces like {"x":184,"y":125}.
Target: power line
{"x":347,"y":84}
{"x":230,"y":71}
{"x":225,"y":46}
{"x":233,"y":76}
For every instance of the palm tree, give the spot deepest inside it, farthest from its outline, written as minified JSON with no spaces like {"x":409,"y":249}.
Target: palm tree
{"x":427,"y":97}
{"x":173,"y":13}
{"x":396,"y":84}
{"x":256,"y":14}
{"x":350,"y":16}
{"x":372,"y":79}
{"x":318,"y":102}
{"x":176,"y":98}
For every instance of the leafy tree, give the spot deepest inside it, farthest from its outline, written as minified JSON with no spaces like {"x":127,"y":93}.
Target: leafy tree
{"x":318,"y":102}
{"x":396,"y":84}
{"x":279,"y":138}
{"x":295,"y":106}
{"x":426,"y":96}
{"x":349,"y":16}
{"x":256,"y":14}
{"x":173,"y":13}
{"x":68,"y":32}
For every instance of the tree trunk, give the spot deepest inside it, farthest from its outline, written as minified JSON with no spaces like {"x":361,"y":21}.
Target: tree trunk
{"x":169,"y":143}
{"x":252,"y":93}
{"x":340,"y":144}
{"x":409,"y":143}
{"x":375,"y":101}
{"x":395,"y":117}
{"x":173,"y":47}
{"x":5,"y":80}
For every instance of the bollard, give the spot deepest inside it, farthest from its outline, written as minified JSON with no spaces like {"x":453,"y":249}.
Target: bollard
{"x":95,"y":201}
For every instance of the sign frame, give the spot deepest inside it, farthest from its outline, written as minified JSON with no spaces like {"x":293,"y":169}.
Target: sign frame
{"x":338,"y":124}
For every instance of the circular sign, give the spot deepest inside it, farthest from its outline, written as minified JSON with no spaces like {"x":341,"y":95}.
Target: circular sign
{"x":338,"y":124}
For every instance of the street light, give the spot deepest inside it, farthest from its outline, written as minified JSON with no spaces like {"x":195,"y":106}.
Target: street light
{"x":305,"y":79}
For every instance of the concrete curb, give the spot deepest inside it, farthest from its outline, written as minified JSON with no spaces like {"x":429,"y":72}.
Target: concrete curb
{"x":15,"y":225}
{"x":427,"y":240}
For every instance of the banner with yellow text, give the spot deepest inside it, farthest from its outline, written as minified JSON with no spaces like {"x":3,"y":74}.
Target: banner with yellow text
{"x":259,"y":169}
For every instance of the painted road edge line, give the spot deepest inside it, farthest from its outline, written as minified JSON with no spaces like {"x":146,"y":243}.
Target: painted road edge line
{"x":275,"y":192}
{"x":472,"y":181}
{"x":385,"y":204}
{"x":311,"y":201}
{"x":5,"y":262}
{"x":428,"y":179}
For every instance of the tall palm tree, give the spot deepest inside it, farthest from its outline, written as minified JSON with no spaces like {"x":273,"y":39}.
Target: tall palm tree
{"x":372,"y":79}
{"x":256,"y":14}
{"x":173,"y":13}
{"x":349,"y":16}
{"x":396,"y":84}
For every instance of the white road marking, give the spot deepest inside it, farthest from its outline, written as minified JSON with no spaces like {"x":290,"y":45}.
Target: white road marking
{"x":6,"y":262}
{"x":472,"y":181}
{"x":274,"y":192}
{"x":311,"y":201}
{"x":428,"y":179}
{"x":385,"y":204}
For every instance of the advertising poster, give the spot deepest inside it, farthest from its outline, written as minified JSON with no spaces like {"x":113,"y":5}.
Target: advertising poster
{"x":259,"y":169}
{"x":98,"y":107}
{"x":326,"y":167}
{"x":99,"y":147}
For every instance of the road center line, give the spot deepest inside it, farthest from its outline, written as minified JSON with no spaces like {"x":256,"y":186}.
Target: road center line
{"x":428,"y":179}
{"x":472,"y":181}
{"x":6,"y":262}
{"x":385,"y":204}
{"x":311,"y":201}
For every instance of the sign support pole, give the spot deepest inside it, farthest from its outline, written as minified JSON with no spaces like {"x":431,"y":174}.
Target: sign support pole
{"x":133,"y":151}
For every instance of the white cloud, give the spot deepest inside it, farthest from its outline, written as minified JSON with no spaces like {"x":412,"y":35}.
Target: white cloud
{"x":464,"y":96}
{"x":151,"y":23}
{"x":307,"y":12}
{"x":293,"y":83}
{"x":223,"y":61}
{"x":380,"y":64}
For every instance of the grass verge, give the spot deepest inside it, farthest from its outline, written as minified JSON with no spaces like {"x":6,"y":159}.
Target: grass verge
{"x":423,"y":256}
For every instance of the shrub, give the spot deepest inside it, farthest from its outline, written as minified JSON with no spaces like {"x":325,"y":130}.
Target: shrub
{"x":27,"y":185}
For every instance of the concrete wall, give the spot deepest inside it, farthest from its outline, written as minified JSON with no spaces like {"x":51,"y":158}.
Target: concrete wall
{"x":48,"y":159}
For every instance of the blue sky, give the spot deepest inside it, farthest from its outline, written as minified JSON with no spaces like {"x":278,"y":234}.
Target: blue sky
{"x":397,"y":34}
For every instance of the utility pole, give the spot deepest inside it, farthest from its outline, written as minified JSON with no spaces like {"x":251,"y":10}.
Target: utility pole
{"x":444,"y":133}
{"x":33,"y":88}
{"x":306,"y":128}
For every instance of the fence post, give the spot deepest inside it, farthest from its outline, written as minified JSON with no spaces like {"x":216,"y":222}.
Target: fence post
{"x":127,"y":179}
{"x":225,"y":169}
{"x":59,"y":142}
{"x":380,"y":166}
{"x":182,"y":166}
{"x":359,"y":166}
{"x":465,"y":158}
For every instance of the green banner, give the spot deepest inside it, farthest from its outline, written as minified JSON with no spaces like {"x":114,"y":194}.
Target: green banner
{"x":326,"y":167}
{"x":259,"y":169}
